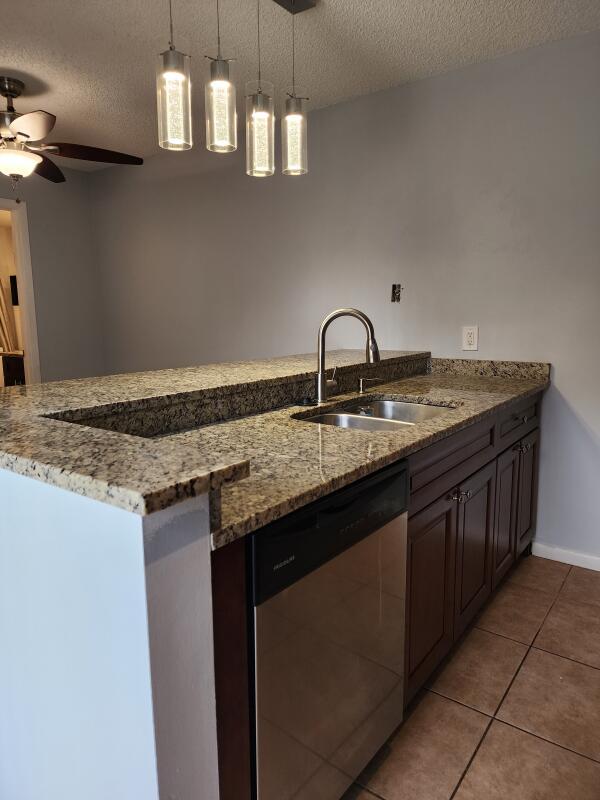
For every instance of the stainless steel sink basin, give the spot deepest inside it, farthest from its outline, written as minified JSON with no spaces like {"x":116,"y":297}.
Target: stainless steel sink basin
{"x":378,"y":415}
{"x":410,"y":413}
{"x":365,"y":423}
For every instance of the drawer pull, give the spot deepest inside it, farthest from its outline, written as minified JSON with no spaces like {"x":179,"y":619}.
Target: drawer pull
{"x":464,"y":496}
{"x":523,"y":419}
{"x":522,"y":448}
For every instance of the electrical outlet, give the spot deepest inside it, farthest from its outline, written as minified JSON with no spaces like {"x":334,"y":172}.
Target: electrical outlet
{"x":470,"y":337}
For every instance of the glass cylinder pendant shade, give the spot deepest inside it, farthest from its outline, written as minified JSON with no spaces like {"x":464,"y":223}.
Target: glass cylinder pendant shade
{"x":294,"y":138}
{"x":173,"y":95}
{"x":260,"y":129}
{"x":220,"y":106}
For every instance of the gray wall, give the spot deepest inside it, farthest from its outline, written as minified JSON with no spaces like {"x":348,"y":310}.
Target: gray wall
{"x":64,"y":274}
{"x":479,"y":190}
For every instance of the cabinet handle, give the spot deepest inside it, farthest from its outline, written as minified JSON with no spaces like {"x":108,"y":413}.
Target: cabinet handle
{"x":454,"y":495}
{"x":464,"y":496}
{"x":522,"y":419}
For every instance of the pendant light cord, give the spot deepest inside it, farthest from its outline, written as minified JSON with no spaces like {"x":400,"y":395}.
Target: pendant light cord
{"x":218,"y":32}
{"x":171,"y":45}
{"x":258,"y":31}
{"x":293,"y":50}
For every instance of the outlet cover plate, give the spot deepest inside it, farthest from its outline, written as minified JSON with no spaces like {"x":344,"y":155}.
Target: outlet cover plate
{"x":470,"y":337}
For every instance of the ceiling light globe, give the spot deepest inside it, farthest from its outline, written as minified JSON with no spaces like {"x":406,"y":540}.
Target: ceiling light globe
{"x":15,"y":161}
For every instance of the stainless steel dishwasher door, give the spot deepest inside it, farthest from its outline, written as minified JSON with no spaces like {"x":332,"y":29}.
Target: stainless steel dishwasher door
{"x":330,"y":669}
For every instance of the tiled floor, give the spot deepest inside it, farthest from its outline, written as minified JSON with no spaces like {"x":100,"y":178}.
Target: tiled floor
{"x":515,"y":713}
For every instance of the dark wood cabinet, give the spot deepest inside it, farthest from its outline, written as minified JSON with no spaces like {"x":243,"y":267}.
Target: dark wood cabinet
{"x":527,"y":501}
{"x":505,"y":525}
{"x":430,"y":590}
{"x":475,"y":533}
{"x":472,"y":513}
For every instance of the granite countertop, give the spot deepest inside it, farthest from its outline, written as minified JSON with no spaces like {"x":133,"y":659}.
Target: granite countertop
{"x":293,"y":462}
{"x":97,"y":459}
{"x":133,"y":440}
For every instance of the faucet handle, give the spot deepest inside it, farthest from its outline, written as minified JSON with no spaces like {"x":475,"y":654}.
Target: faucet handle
{"x":362,"y":381}
{"x":332,"y":384}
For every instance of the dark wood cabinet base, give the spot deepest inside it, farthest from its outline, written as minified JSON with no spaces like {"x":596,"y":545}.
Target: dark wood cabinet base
{"x":232,"y":671}
{"x":472,"y":514}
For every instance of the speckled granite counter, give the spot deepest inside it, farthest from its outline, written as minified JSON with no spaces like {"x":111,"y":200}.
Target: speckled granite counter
{"x":137,"y":444}
{"x":102,"y":459}
{"x":293,"y":462}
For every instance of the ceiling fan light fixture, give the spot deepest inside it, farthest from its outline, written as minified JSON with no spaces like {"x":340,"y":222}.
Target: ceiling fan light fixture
{"x":16,"y":162}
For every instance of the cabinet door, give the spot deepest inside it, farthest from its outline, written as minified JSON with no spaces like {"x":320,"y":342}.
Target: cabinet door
{"x":528,"y":470}
{"x":474,"y":545}
{"x":505,"y":523}
{"x":430,"y":590}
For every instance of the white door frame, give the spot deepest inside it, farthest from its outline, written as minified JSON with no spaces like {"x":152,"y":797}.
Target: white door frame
{"x":20,"y":232}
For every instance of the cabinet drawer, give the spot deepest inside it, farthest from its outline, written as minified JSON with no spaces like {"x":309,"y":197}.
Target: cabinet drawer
{"x":443,"y":465}
{"x":517,"y":421}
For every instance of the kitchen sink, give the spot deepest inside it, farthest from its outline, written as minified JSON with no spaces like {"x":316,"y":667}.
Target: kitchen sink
{"x":378,"y":415}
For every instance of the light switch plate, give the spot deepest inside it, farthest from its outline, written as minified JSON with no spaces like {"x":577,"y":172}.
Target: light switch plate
{"x":470,"y":337}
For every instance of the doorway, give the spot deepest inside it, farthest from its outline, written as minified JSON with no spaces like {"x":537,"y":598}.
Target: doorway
{"x":19,"y":351}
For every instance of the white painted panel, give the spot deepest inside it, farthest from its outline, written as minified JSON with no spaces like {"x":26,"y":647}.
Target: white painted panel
{"x":179,"y":590}
{"x":75,"y":694}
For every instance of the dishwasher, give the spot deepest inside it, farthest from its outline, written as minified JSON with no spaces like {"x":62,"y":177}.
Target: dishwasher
{"x":328,"y":586}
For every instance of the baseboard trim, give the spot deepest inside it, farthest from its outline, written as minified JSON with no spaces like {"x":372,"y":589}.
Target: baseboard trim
{"x":566,"y":556}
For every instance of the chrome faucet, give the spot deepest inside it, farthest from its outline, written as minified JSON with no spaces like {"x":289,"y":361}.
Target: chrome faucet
{"x":324,"y":386}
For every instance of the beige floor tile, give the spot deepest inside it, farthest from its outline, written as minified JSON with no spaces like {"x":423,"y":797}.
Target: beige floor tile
{"x":426,"y":758}
{"x":516,"y":612}
{"x":558,"y":700}
{"x":481,"y":670}
{"x":511,"y":764}
{"x":582,"y":586}
{"x":540,"y":573}
{"x":572,"y":630}
{"x":357,"y":793}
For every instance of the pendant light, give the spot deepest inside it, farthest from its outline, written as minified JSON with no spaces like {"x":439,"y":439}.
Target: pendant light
{"x":173,"y":96}
{"x":220,"y":103}
{"x":293,"y":124}
{"x":260,"y":122}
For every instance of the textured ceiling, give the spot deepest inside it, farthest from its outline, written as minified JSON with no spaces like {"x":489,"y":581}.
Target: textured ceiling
{"x":92,"y":62}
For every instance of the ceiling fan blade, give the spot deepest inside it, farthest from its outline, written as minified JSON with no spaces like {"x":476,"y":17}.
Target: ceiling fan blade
{"x":33,"y":126}
{"x":93,"y":153}
{"x":48,"y":169}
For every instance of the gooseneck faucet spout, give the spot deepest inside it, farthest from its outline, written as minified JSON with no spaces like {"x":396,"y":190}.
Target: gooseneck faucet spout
{"x":324,"y":386}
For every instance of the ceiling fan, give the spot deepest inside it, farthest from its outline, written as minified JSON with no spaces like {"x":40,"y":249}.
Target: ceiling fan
{"x":22,"y":151}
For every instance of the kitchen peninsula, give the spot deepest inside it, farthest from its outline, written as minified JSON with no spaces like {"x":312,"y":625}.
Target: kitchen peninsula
{"x":120,"y":498}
